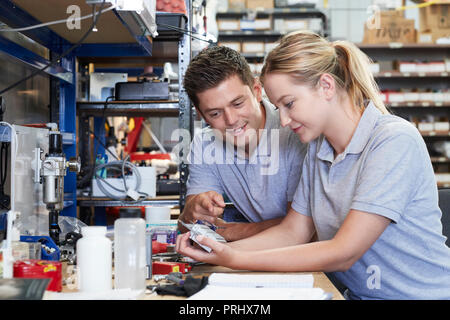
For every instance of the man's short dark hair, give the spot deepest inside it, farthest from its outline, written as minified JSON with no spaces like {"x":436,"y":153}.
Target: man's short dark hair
{"x":212,"y":66}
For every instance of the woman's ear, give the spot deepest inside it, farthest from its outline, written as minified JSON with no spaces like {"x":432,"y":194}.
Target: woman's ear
{"x":327,"y":85}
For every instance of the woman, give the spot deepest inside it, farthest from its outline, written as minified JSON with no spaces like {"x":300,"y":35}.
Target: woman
{"x":367,"y":184}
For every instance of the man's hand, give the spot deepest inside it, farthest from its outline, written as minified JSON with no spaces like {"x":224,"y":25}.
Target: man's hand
{"x":203,"y":206}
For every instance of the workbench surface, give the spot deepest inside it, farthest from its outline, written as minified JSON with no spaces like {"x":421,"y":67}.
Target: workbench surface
{"x":320,"y":280}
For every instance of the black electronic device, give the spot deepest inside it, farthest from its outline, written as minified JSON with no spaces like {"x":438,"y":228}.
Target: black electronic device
{"x":142,"y":90}
{"x":167,"y":187}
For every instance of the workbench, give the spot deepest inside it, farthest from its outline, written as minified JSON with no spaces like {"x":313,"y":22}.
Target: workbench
{"x":320,"y":280}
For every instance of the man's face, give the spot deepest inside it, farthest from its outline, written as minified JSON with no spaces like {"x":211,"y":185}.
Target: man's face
{"x":234,"y":109}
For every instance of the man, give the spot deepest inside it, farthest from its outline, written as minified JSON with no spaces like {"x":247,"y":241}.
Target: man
{"x":244,"y":154}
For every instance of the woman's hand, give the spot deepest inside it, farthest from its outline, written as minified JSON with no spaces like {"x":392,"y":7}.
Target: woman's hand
{"x":221,"y":253}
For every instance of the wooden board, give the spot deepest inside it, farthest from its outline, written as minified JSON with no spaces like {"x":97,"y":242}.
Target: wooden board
{"x":110,"y":29}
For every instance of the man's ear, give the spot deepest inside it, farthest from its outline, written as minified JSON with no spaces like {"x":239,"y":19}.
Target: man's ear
{"x":257,"y":90}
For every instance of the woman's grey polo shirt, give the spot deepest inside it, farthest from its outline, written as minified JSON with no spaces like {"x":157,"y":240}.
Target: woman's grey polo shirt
{"x":260,"y":186}
{"x":385,"y":170}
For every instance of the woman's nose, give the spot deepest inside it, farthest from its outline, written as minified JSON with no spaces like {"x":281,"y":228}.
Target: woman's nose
{"x":284,"y":118}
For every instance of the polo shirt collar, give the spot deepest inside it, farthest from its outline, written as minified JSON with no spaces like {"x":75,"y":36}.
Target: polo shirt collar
{"x":360,"y":137}
{"x":364,"y":130}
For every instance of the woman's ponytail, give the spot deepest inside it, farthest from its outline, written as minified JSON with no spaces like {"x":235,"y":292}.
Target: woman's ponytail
{"x":306,"y":56}
{"x":357,"y":79}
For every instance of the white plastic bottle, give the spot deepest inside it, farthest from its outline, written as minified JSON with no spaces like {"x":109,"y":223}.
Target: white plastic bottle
{"x":94,"y":260}
{"x":130,"y":265}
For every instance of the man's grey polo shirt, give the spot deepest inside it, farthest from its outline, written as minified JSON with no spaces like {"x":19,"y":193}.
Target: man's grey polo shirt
{"x":261,"y":186}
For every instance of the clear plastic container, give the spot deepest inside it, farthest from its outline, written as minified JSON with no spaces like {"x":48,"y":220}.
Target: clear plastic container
{"x":94,"y":260}
{"x":130,"y":265}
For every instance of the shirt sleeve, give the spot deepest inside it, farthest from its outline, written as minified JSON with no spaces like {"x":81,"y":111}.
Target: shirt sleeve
{"x":389,"y":177}
{"x":296,"y":156}
{"x":201,"y":175}
{"x":301,"y":201}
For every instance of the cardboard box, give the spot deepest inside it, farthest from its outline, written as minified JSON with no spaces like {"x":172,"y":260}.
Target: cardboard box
{"x":411,"y":96}
{"x":405,"y":66}
{"x":386,"y":65}
{"x":446,"y":96}
{"x":263,"y":24}
{"x":435,"y":17}
{"x":259,"y":4}
{"x":392,"y":28}
{"x":237,"y":5}
{"x":432,"y":36}
{"x":228,"y":25}
{"x":426,"y":126}
{"x":438,"y":97}
{"x":396,"y":97}
{"x":374,"y":67}
{"x":426,"y":96}
{"x":233,"y":45}
{"x":257,"y":24}
{"x":269,"y":46}
{"x":253,"y":47}
{"x":255,"y":68}
{"x":442,"y":177}
{"x":287,"y":25}
{"x":436,"y":66}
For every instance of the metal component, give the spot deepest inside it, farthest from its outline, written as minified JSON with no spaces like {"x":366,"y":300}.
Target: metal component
{"x":74,"y":164}
{"x":140,"y":23}
{"x":159,"y":277}
{"x":37,"y":164}
{"x":122,"y":203}
{"x":53,"y":227}
{"x":132,"y":109}
{"x":52,"y":172}
{"x":34,"y":60}
{"x":185,"y":117}
{"x":175,"y":277}
{"x":101,"y":85}
{"x":148,"y":254}
{"x":166,"y":256}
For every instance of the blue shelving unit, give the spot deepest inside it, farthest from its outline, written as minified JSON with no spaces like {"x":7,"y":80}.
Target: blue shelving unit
{"x":63,"y":76}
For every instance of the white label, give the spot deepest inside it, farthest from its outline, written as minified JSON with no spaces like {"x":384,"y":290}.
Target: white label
{"x":162,"y":238}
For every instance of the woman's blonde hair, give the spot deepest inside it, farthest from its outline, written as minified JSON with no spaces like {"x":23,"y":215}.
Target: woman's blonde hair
{"x":306,"y":56}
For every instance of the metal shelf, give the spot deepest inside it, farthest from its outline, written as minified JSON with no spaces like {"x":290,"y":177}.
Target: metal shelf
{"x":163,"y":201}
{"x":419,"y":104}
{"x":271,"y":11}
{"x":275,"y":13}
{"x":129,"y":108}
{"x":398,"y":74}
{"x":435,"y":134}
{"x":250,"y":33}
{"x":440,"y":160}
{"x":403,"y":46}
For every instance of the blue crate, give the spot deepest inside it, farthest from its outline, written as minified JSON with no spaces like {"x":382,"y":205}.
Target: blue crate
{"x":54,"y":256}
